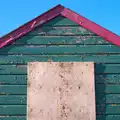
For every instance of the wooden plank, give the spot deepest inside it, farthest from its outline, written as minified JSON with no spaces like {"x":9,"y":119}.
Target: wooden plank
{"x":13,"y":79}
{"x":108,"y":117}
{"x":107,"y":68}
{"x":12,"y":110}
{"x":22,"y":69}
{"x":99,"y":117}
{"x":13,"y":69}
{"x":110,"y":88}
{"x":21,"y":99}
{"x":60,"y":49}
{"x":113,"y":109}
{"x":13,"y":89}
{"x":90,"y":25}
{"x":64,"y":94}
{"x":24,"y":59}
{"x":21,"y":89}
{"x":20,"y":110}
{"x":60,"y":40}
{"x":56,"y":31}
{"x":108,"y":79}
{"x":22,"y":79}
{"x":107,"y":98}
{"x":12,"y":117}
{"x":60,"y":21}
{"x":12,"y":99}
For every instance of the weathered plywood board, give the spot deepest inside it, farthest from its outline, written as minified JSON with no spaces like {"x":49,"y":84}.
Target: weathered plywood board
{"x":60,"y":91}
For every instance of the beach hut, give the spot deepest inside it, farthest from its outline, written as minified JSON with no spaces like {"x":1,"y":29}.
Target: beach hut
{"x":59,"y":35}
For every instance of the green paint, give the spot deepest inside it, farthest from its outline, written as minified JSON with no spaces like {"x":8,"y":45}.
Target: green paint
{"x":22,"y":69}
{"x":108,"y":79}
{"x":107,"y":68}
{"x":99,"y":117}
{"x":59,"y":40}
{"x":22,"y":79}
{"x":56,"y":31}
{"x":13,"y":89}
{"x":24,"y":59}
{"x":108,"y":98}
{"x":13,"y":69}
{"x":108,"y":109}
{"x":21,"y":99}
{"x":60,"y":21}
{"x":108,"y":88}
{"x":21,"y":109}
{"x":21,"y":89}
{"x":61,"y":49}
{"x":13,"y":99}
{"x":12,"y":109}
{"x":108,"y":117}
{"x":13,"y":79}
{"x":12,"y":117}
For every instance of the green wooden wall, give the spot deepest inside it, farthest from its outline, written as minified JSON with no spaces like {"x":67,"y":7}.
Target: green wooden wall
{"x":59,"y":40}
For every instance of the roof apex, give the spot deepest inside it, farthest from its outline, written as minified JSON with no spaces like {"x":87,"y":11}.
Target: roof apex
{"x":54,"y":12}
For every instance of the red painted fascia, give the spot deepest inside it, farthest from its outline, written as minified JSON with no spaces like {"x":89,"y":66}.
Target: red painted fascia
{"x":24,"y":29}
{"x":93,"y":27}
{"x":54,"y":12}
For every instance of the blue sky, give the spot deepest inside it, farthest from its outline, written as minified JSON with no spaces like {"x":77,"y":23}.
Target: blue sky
{"x":14,"y":13}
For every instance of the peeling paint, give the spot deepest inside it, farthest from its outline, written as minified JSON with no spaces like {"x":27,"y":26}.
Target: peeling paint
{"x":33,"y":24}
{"x":21,"y":66}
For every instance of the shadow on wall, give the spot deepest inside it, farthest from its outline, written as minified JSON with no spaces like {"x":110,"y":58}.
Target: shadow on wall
{"x":100,"y":91}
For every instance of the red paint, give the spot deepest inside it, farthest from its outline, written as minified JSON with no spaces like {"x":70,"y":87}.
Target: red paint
{"x":93,"y":27}
{"x":19,"y":32}
{"x":60,"y":10}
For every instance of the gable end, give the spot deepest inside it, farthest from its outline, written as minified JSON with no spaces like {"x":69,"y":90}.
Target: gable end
{"x":56,"y":11}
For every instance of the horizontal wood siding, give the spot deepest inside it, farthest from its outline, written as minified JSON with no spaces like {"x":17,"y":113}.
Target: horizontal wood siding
{"x":99,"y":117}
{"x":14,"y":99}
{"x":59,"y":40}
{"x":60,"y":21}
{"x":60,"y":31}
{"x":59,"y":49}
{"x":21,"y":89}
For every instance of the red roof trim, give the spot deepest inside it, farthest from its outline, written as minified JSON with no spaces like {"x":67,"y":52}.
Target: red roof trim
{"x":95,"y":28}
{"x":60,"y":10}
{"x":7,"y":39}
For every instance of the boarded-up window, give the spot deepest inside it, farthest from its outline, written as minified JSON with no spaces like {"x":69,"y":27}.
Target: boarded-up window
{"x":61,"y":91}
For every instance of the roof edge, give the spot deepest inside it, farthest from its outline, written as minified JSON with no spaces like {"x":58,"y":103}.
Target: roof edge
{"x":54,"y":12}
{"x":27,"y":27}
{"x":92,"y":26}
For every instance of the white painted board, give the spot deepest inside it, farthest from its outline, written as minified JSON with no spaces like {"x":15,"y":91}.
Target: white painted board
{"x":61,"y":91}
